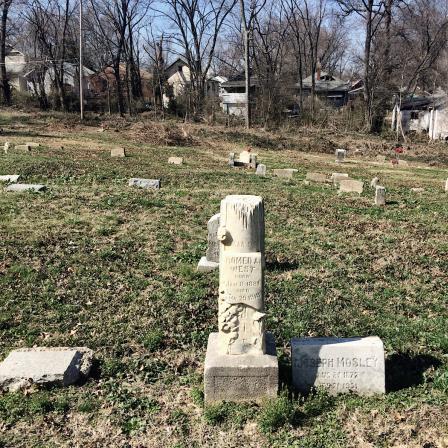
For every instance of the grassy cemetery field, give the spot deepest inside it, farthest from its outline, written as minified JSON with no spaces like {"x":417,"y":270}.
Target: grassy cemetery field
{"x":92,"y":262}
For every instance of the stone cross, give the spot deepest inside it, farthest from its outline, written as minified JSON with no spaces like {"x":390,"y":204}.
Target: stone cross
{"x":241,"y":362}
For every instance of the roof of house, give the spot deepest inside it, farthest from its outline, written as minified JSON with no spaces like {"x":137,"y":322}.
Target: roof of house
{"x":239,"y":80}
{"x":326,"y":83}
{"x":423,"y":102}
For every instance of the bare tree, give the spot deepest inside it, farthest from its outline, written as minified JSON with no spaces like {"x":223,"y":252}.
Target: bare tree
{"x":4,"y":81}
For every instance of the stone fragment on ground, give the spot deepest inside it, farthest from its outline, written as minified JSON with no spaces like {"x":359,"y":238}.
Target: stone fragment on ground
{"x":417,"y":190}
{"x":11,"y":179}
{"x":148,"y":184}
{"x":340,"y":365}
{"x":118,"y":152}
{"x":44,"y":366}
{"x":351,"y":186}
{"x":175,"y":160}
{"x":18,"y":188}
{"x":286,"y":173}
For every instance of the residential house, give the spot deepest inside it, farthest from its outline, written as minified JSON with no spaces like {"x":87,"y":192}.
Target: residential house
{"x":423,"y":114}
{"x":16,"y":66}
{"x":233,"y":94}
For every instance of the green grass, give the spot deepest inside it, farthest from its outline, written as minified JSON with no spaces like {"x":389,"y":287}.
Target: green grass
{"x":94,"y":263}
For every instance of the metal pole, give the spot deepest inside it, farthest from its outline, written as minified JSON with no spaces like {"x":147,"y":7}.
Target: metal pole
{"x":81,"y":70}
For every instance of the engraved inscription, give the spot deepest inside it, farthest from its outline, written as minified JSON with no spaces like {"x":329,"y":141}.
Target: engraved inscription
{"x":244,"y":385}
{"x":242,"y":279}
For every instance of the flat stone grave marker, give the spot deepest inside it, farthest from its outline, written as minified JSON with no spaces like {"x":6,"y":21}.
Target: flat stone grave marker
{"x":18,"y":188}
{"x":351,"y":186}
{"x":118,"y":152}
{"x":33,"y":144}
{"x":316,"y":177}
{"x":286,"y":173}
{"x":340,"y":155}
{"x":380,"y":195}
{"x":417,"y":190}
{"x":12,"y":179}
{"x":337,"y":177}
{"x":59,"y":365}
{"x":241,"y":361}
{"x":340,"y":365}
{"x":261,"y":170}
{"x":211,"y":261}
{"x":147,"y":184}
{"x":22,"y":148}
{"x":175,"y":160}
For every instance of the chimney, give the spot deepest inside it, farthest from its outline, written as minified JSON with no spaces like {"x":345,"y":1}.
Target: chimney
{"x":318,"y":71}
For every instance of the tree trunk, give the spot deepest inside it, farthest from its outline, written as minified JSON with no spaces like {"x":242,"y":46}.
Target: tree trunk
{"x":367,"y":51}
{"x":4,"y":82}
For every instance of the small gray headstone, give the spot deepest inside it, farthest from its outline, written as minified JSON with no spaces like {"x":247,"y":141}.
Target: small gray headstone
{"x":340,"y":155}
{"x":261,"y":170}
{"x":12,"y":179}
{"x":118,"y":152}
{"x":148,"y":184}
{"x":36,"y":188}
{"x":61,"y":365}
{"x":286,"y":173}
{"x":340,"y":365}
{"x":231,"y":161}
{"x":380,"y":195}
{"x":253,"y":161}
{"x":351,"y":186}
{"x":211,"y":261}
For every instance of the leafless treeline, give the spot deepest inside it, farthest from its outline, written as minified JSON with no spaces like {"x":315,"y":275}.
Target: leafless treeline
{"x":393,"y":46}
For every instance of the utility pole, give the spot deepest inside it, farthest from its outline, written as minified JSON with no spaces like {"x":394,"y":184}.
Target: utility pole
{"x":81,"y":65}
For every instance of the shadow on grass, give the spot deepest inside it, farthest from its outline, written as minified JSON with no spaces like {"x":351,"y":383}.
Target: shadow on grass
{"x":282,"y":266}
{"x":403,"y":370}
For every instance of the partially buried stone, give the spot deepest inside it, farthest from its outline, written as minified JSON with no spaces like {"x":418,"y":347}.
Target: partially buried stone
{"x":22,"y":148}
{"x":147,"y":184}
{"x":33,"y":144}
{"x":351,"y":186}
{"x":337,"y":177}
{"x":18,"y":188}
{"x":12,"y":179}
{"x":175,"y":160}
{"x":380,"y":195}
{"x":261,"y":170}
{"x":118,"y":152}
{"x":340,"y":365}
{"x":316,"y":177}
{"x":286,"y":173}
{"x":59,"y":366}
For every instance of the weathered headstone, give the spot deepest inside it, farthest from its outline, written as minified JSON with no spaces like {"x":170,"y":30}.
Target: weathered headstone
{"x":316,"y":177}
{"x":231,"y":161}
{"x":59,"y":365}
{"x":245,"y":157}
{"x":253,"y":161}
{"x":211,"y":261}
{"x":7,"y":147}
{"x":18,"y":188}
{"x":380,"y":195}
{"x":446,"y":185}
{"x":148,"y":184}
{"x":176,"y":160}
{"x":351,"y":186}
{"x":340,"y":155}
{"x":261,"y":170}
{"x":241,"y":362}
{"x":337,"y":177}
{"x":22,"y":148}
{"x":286,"y":173}
{"x":118,"y":152}
{"x":340,"y":365}
{"x":375,"y":182}
{"x":12,"y":179}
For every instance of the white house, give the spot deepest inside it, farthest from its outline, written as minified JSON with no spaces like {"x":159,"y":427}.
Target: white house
{"x":16,"y":65}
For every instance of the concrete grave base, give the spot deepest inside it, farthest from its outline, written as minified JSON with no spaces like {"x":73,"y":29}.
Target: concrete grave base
{"x":240,"y":377}
{"x":340,"y":365}
{"x":35,"y":188}
{"x":59,"y":365}
{"x":147,"y":184}
{"x":205,"y":265}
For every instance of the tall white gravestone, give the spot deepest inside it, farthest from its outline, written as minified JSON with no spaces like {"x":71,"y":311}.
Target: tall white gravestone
{"x":241,"y":362}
